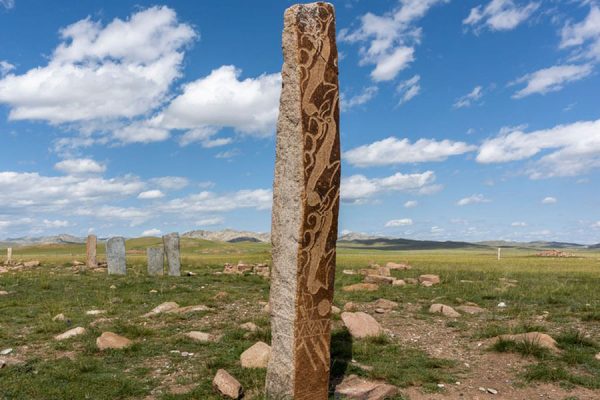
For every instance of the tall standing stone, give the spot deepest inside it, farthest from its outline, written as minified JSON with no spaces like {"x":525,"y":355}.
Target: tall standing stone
{"x":305,"y":206}
{"x":9,"y":255}
{"x":156,"y":260}
{"x":115,"y":256}
{"x":91,"y":261}
{"x":171,"y":243}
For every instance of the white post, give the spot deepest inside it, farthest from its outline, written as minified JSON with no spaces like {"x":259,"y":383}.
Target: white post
{"x":499,"y":253}
{"x":9,"y":255}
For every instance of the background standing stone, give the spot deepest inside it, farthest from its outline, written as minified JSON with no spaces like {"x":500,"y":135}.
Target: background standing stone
{"x":91,"y":243}
{"x":171,"y":243}
{"x":9,"y":255}
{"x":156,"y":260}
{"x":115,"y":256}
{"x":305,"y":206}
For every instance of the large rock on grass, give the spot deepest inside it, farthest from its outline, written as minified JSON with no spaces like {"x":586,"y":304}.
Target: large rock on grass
{"x":361,"y":325}
{"x":444,"y":310}
{"x":227,"y":386}
{"x":70,"y":333}
{"x":109,"y":340}
{"x":353,"y":387}
{"x":361,"y":287}
{"x":257,"y":356}
{"x":535,"y":338}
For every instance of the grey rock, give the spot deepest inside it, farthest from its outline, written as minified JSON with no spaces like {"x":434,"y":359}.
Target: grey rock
{"x":171,"y":243}
{"x":115,"y":256}
{"x":156,"y":260}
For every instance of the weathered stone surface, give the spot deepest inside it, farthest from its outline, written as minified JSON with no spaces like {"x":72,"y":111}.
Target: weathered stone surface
{"x":115,"y":256}
{"x":227,"y":385}
{"x":353,"y":387}
{"x":156,"y":260}
{"x":171,"y":243}
{"x":91,"y":261}
{"x":399,"y":267}
{"x":162,"y":308}
{"x":431,"y":279}
{"x":378,"y":279}
{"x":444,"y":310}
{"x":109,"y":340}
{"x":249,"y":326}
{"x":360,"y":287}
{"x":202,"y":337}
{"x":361,"y":325}
{"x":305,"y":206}
{"x":536,"y":338}
{"x":467,"y":309}
{"x":257,"y":356}
{"x":70,"y":333}
{"x":399,"y":282}
{"x":385,"y":304}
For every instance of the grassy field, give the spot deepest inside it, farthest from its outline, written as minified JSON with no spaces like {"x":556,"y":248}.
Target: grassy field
{"x":558,"y":296}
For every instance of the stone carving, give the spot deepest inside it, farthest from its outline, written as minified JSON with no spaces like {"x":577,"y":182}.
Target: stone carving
{"x":91,"y":261}
{"x":171,"y":243}
{"x":156,"y":260}
{"x":115,"y":256}
{"x":305,"y":206}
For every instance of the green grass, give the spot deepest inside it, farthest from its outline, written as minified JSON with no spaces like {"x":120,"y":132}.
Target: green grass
{"x":75,"y":369}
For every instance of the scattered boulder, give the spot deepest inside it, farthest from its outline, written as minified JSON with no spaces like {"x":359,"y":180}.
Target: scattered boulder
{"x":353,"y":387}
{"x":399,"y":282}
{"x":95,"y":312}
{"x":378,"y":279}
{"x":59,"y":317}
{"x":202,"y":337}
{"x":385,"y":304}
{"x":537,"y":338}
{"x":70,"y":333}
{"x":369,"y":287}
{"x":398,"y":267}
{"x":3,"y":292}
{"x":257,"y":356}
{"x":350,"y":306}
{"x":335,"y":310}
{"x":220,"y":295}
{"x":267,"y":308}
{"x":249,"y":326}
{"x":188,"y":309}
{"x":31,"y":264}
{"x":109,"y":340}
{"x":470,"y":309}
{"x":411,"y":281}
{"x":6,"y":352}
{"x":361,"y":325}
{"x":430,"y":279}
{"x":162,"y":308}
{"x":349,"y":272}
{"x":444,"y":310}
{"x":597,"y":356}
{"x":77,"y":263}
{"x":227,"y":385}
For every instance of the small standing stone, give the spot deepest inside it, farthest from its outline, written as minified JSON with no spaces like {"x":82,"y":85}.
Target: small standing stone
{"x":115,"y":256}
{"x":171,"y":243}
{"x":91,"y":261}
{"x":156,"y":260}
{"x":9,"y":255}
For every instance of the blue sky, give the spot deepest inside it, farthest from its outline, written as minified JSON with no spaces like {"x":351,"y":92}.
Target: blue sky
{"x":461,"y":120}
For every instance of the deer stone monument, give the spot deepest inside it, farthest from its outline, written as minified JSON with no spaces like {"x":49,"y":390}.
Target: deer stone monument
{"x":305,"y":206}
{"x":91,"y":261}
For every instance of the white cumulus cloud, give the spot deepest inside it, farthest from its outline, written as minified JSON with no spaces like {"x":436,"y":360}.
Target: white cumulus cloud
{"x":549,"y":200}
{"x":499,"y":15}
{"x":570,"y":149}
{"x":470,"y":98}
{"x":152,"y":232}
{"x":80,"y":166}
{"x":474,"y":199}
{"x":388,"y":41}
{"x":359,"y":187}
{"x":400,"y":151}
{"x":151,"y":194}
{"x":411,"y":204}
{"x":398,"y":222}
{"x":551,"y":79}
{"x":366,"y":95}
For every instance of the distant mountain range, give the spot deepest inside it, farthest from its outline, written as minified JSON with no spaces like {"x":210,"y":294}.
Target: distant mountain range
{"x":229,"y":235}
{"x":349,"y":239}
